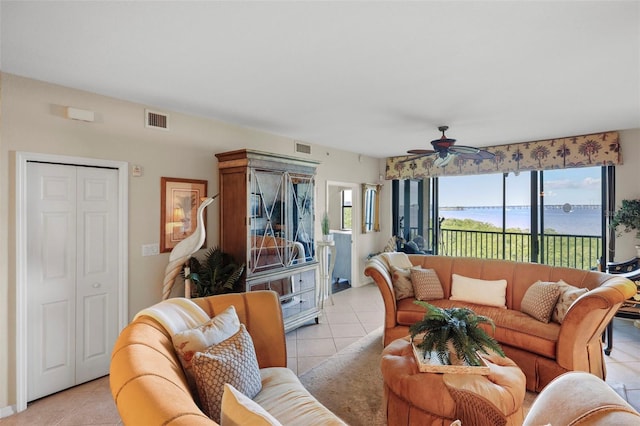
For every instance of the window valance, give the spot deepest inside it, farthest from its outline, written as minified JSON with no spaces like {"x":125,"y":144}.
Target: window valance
{"x":598,"y":149}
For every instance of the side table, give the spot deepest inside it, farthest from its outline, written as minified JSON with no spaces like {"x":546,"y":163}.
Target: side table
{"x":630,"y":309}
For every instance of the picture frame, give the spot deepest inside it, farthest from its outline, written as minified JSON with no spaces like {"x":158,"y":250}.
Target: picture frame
{"x":256,"y":205}
{"x":179,"y":202}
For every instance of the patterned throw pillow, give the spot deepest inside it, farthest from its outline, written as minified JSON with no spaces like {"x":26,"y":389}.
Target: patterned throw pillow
{"x":540,"y":299}
{"x":426,"y":284}
{"x":238,"y":410}
{"x":568,"y":295}
{"x":401,"y":280}
{"x":391,"y":245}
{"x":232,"y":361}
{"x":212,"y":332}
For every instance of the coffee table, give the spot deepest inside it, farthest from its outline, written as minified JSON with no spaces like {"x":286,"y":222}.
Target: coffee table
{"x":415,"y":398}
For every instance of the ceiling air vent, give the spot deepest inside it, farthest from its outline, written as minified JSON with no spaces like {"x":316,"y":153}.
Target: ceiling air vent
{"x":156,"y":120}
{"x":302,"y":148}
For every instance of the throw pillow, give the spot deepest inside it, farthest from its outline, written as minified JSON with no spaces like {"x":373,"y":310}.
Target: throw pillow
{"x":426,"y":284}
{"x":401,"y":281}
{"x":568,"y":295}
{"x":232,"y":361}
{"x":198,"y":339}
{"x":539,"y":300}
{"x":396,"y":260}
{"x":238,"y":410}
{"x":391,"y":245}
{"x":481,"y":292}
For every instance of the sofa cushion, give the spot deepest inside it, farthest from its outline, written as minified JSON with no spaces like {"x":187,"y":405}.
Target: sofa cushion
{"x":232,"y":361}
{"x":540,"y":299}
{"x":426,"y":284}
{"x":298,"y":406}
{"x":513,"y":328}
{"x":240,"y":410}
{"x":568,"y":295}
{"x":482,"y":292}
{"x":401,"y":281}
{"x":198,"y":339}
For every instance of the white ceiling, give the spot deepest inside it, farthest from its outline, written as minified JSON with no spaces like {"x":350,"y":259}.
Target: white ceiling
{"x":370,"y":77}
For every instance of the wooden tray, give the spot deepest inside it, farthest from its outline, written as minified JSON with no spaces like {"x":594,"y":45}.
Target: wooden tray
{"x":433,"y":364}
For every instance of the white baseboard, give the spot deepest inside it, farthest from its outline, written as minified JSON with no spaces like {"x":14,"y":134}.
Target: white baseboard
{"x":8,"y":411}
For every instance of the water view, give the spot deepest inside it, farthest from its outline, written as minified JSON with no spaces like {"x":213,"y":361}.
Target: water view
{"x":580,"y":220}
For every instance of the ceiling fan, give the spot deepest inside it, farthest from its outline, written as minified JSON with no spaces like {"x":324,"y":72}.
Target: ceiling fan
{"x":445,"y":150}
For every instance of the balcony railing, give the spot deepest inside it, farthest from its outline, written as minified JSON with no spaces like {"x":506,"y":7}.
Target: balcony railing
{"x":574,"y":251}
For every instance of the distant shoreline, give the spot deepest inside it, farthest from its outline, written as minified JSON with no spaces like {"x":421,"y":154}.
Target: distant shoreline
{"x":524,"y":207}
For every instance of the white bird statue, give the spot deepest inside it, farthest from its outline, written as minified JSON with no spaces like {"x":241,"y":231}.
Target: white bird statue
{"x":183,"y":251}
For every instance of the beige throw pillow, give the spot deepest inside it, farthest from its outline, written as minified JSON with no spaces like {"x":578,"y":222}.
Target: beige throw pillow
{"x":539,"y":300}
{"x":396,"y":259}
{"x":238,"y":410}
{"x":401,"y":281}
{"x":198,"y":339}
{"x":232,"y":361}
{"x":568,"y":295}
{"x":426,"y":284}
{"x":481,"y":292}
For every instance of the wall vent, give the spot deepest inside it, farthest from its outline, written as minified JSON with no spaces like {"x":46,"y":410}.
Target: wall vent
{"x":302,"y":148}
{"x":156,"y":120}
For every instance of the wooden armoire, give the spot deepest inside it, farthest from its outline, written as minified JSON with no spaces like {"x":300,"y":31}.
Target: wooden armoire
{"x":267,"y":215}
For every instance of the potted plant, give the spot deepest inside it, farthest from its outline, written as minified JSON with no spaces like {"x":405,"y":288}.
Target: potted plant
{"x":446,"y":330}
{"x":326,"y":228}
{"x":216,"y":274}
{"x":628,"y":217}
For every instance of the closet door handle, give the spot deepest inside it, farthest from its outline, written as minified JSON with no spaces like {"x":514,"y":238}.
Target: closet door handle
{"x":96,"y":285}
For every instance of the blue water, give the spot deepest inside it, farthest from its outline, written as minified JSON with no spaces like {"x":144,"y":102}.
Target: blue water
{"x":581,"y":220}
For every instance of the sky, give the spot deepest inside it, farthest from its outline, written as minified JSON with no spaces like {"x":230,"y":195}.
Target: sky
{"x":573,"y":186}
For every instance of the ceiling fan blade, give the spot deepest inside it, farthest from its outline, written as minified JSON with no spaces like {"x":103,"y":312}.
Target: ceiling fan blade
{"x":480,"y":155}
{"x":462,"y":149}
{"x":414,"y":158}
{"x":421,"y":151}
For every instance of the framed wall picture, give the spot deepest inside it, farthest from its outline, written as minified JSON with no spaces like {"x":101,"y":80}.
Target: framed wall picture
{"x":179,"y":202}
{"x":256,"y":205}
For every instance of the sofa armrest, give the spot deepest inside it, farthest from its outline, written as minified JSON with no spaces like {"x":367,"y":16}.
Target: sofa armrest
{"x":377,"y":270}
{"x":587,"y":319}
{"x":598,"y":403}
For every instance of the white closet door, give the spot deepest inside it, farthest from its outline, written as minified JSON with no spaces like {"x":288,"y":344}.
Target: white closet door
{"x":72,"y":275}
{"x":97,"y":271}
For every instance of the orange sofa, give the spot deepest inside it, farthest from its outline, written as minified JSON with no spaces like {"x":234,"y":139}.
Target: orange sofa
{"x":542,"y":351}
{"x":149,"y":386}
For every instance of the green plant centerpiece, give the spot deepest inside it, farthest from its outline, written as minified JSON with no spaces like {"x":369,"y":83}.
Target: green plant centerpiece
{"x":628,"y":217}
{"x":218,"y":273}
{"x":456,"y":329}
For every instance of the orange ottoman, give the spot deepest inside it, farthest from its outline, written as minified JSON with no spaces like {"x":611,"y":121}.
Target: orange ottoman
{"x":415,"y":398}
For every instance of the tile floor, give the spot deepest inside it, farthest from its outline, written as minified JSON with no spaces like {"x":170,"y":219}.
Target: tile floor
{"x":356,"y":312}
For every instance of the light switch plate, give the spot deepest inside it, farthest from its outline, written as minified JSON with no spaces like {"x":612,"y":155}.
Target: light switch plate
{"x":150,"y":249}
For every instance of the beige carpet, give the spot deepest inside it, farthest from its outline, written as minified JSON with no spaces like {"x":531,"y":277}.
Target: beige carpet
{"x":350,"y":383}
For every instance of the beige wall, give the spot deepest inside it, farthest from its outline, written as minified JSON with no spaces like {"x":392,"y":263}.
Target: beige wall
{"x":628,"y":187}
{"x":32,"y":121}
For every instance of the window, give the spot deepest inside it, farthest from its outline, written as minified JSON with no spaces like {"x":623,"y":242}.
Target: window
{"x":552,"y":217}
{"x":346,"y":209}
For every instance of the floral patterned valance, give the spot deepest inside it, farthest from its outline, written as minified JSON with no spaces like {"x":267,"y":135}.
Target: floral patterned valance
{"x":599,"y":149}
